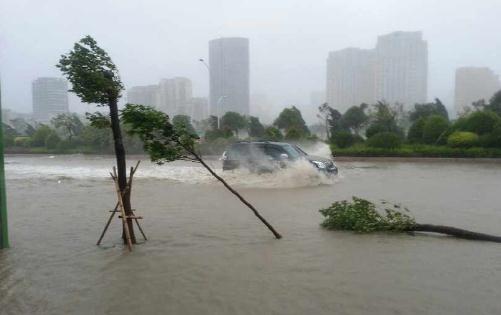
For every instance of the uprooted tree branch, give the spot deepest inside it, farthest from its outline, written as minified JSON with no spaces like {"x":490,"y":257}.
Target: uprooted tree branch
{"x":363,"y":216}
{"x":165,"y":143}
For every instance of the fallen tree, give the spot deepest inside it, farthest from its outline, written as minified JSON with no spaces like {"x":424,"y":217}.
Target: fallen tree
{"x":363,"y":216}
{"x":165,"y":142}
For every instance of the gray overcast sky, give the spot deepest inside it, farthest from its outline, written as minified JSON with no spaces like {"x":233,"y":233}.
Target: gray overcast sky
{"x":289,"y":39}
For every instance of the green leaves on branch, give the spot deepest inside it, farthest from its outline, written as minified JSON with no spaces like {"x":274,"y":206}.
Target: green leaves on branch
{"x":364,"y":216}
{"x":98,"y":120}
{"x":91,"y":71}
{"x":161,"y":140}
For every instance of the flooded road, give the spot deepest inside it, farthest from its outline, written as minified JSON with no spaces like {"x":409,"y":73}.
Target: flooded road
{"x":208,"y":254}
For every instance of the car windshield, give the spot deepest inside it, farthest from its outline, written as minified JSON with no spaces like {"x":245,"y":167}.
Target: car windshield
{"x":291,"y":151}
{"x":300,"y":151}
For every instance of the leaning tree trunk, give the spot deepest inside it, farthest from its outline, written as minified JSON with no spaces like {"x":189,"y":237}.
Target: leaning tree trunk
{"x":121,"y":166}
{"x":459,"y":233}
{"x":233,"y":191}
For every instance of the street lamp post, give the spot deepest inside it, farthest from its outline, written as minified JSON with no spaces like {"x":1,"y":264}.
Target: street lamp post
{"x":218,"y":108}
{"x":220,"y":99}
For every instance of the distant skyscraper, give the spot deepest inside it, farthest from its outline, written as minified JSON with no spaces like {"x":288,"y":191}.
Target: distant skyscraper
{"x":401,"y":68}
{"x":145,"y":95}
{"x":50,"y":98}
{"x":174,"y":96}
{"x":350,"y":78}
{"x":474,"y":84}
{"x":229,"y":75}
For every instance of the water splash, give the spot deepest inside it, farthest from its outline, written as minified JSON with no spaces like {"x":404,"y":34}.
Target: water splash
{"x":60,"y":169}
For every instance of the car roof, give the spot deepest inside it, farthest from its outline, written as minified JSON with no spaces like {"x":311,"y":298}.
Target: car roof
{"x":261,"y":142}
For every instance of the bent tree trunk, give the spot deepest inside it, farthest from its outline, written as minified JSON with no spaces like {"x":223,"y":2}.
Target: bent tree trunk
{"x":233,"y":191}
{"x":459,"y":233}
{"x":121,"y":166}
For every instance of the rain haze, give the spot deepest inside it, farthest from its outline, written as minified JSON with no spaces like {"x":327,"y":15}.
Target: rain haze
{"x":265,"y":157}
{"x":289,"y":41}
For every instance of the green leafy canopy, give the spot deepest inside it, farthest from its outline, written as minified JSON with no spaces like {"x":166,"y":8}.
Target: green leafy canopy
{"x":92,"y":73}
{"x":161,"y":140}
{"x":363,"y":216}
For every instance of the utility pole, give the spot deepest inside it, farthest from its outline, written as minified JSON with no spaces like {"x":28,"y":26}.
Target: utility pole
{"x":4,"y":233}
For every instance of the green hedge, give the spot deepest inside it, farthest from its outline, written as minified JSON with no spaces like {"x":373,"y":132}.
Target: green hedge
{"x":385,"y":140}
{"x":462,"y":139}
{"x":362,"y":150}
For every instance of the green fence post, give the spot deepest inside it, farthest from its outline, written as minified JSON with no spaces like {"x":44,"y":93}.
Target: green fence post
{"x":4,"y":232}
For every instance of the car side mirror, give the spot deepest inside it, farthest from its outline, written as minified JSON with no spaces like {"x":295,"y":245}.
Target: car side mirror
{"x":284,"y":157}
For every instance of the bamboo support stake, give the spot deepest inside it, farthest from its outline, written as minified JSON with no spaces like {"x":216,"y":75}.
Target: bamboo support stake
{"x":120,"y":201}
{"x":115,"y":210}
{"x":107,"y":225}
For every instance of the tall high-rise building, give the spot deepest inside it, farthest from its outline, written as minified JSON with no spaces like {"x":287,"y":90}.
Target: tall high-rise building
{"x":229,"y":75}
{"x":50,"y":98}
{"x":474,"y":84}
{"x":350,"y":78}
{"x":401,"y":68}
{"x":174,"y":96}
{"x":145,"y":95}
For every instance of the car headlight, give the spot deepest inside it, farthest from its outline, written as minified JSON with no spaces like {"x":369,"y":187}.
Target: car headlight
{"x":319,"y":164}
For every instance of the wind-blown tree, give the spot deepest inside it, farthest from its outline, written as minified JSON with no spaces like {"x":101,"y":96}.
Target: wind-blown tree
{"x":273,"y":134}
{"x":99,"y":139}
{"x":70,"y":123}
{"x":354,"y":118}
{"x":291,"y":118}
{"x":255,"y":128}
{"x":22,"y":127}
{"x":164,"y":143}
{"x":383,"y":119}
{"x":9,"y":134}
{"x":41,"y":133}
{"x":233,"y":121}
{"x":495,"y":103}
{"x":182,"y":123}
{"x":95,"y":79}
{"x":331,"y":118}
{"x":428,"y":109}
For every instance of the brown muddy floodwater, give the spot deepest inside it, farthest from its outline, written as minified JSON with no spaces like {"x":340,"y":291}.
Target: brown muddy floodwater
{"x":207,"y":254}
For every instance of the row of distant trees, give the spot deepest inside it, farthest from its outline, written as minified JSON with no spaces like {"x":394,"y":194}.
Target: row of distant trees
{"x":68,"y":132}
{"x":389,"y":126}
{"x":378,"y":125}
{"x":65,"y":132}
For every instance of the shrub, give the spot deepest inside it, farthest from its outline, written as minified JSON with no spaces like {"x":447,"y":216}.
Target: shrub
{"x":215,"y":147}
{"x":293,"y":133}
{"x":343,"y":139}
{"x":374,"y":129}
{"x":462,"y":139}
{"x":52,"y":141}
{"x":492,"y":139}
{"x":24,"y":142}
{"x":481,"y":122}
{"x":415,"y":134}
{"x":385,"y":140}
{"x":8,"y":140}
{"x":433,"y":129}
{"x":42,"y":132}
{"x":212,"y":135}
{"x":64,"y":145}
